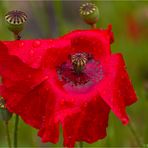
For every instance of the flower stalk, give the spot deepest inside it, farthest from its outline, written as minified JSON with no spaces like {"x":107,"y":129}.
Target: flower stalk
{"x":94,"y":26}
{"x":7,"y":134}
{"x":16,"y":130}
{"x":17,"y":37}
{"x":135,"y":134}
{"x":5,"y":116}
{"x":80,"y":144}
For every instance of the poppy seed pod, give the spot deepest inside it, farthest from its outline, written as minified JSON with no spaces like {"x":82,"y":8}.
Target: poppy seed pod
{"x":90,"y":13}
{"x":15,"y":21}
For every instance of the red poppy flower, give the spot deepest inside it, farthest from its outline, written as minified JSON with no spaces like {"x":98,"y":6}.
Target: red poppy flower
{"x":73,"y":81}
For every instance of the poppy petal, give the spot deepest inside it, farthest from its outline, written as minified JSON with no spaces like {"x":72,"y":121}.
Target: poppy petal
{"x":18,"y":85}
{"x":30,"y":52}
{"x":116,"y":88}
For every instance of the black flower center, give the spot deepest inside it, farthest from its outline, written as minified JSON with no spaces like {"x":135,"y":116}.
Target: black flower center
{"x":80,"y":72}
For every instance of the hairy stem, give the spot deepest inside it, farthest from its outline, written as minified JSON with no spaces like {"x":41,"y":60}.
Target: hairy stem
{"x":93,"y":26}
{"x":80,"y":144}
{"x":7,"y":134}
{"x":16,"y":37}
{"x":16,"y":130}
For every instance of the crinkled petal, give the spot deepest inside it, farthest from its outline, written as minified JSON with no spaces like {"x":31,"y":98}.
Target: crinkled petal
{"x":89,"y":124}
{"x":83,"y":116}
{"x":36,"y":52}
{"x":32,"y":89}
{"x":49,"y":131}
{"x":96,"y":41}
{"x":20,"y":87}
{"x":30,"y":52}
{"x":116,"y":88}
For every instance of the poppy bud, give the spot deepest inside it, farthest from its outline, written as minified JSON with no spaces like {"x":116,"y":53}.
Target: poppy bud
{"x":15,"y":21}
{"x":89,"y":13}
{"x":5,"y":115}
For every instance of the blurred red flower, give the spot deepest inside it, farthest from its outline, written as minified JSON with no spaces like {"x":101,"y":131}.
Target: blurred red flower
{"x":40,"y":84}
{"x":137,"y":23}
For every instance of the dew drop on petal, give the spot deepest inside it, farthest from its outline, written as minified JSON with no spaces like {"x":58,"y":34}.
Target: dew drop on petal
{"x":29,"y":76}
{"x":125,"y":121}
{"x":85,"y":105}
{"x":69,"y":137}
{"x":47,"y":89}
{"x":21,"y":44}
{"x":36,"y":44}
{"x":62,"y":102}
{"x":31,"y":51}
{"x":39,"y":57}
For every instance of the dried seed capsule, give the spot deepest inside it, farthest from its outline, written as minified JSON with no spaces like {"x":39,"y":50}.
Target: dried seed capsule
{"x":15,"y":21}
{"x":90,"y":13}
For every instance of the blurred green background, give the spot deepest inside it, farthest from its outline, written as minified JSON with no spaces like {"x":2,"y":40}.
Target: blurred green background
{"x":49,"y":19}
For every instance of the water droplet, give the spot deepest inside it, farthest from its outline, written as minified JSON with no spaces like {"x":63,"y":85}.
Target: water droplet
{"x":36,"y":44}
{"x":85,"y":104}
{"x":69,"y":137}
{"x":47,"y":89}
{"x":31,"y":51}
{"x":46,"y":77}
{"x":125,"y":120}
{"x":62,"y":102}
{"x":21,"y":44}
{"x":29,"y":76}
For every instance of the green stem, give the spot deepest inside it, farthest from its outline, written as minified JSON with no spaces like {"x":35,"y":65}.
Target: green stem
{"x":93,"y":26}
{"x":16,"y":130}
{"x":58,"y":10}
{"x":135,"y":134}
{"x":17,"y":37}
{"x":80,"y":144}
{"x":7,"y":134}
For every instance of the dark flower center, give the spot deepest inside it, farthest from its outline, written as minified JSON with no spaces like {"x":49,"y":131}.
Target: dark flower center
{"x":80,"y":72}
